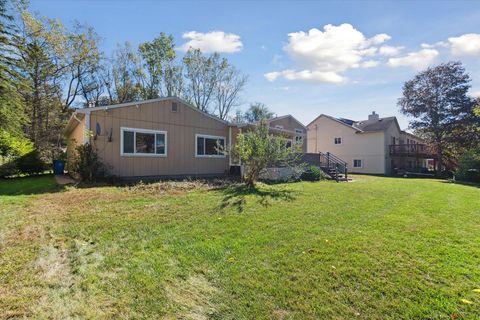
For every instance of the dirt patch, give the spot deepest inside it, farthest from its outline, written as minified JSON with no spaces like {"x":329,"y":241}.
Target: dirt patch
{"x":175,"y":187}
{"x":192,"y":297}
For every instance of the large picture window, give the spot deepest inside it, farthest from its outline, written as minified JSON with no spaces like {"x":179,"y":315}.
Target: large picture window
{"x":143,"y":142}
{"x":209,"y":146}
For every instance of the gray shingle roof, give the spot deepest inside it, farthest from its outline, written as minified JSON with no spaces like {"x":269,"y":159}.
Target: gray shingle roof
{"x":381,"y":124}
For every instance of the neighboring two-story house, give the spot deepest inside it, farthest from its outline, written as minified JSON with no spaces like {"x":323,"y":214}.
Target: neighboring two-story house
{"x":374,"y":146}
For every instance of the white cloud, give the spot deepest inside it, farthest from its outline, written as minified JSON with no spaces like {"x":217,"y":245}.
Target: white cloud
{"x":306,"y":75}
{"x":416,"y":60}
{"x":476,"y":94}
{"x":322,"y":56}
{"x":389,"y":50}
{"x":214,"y":41}
{"x":467,"y":44}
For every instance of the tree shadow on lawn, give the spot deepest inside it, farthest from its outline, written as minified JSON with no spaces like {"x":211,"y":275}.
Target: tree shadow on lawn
{"x":236,"y":196}
{"x":30,"y":185}
{"x":463,"y":183}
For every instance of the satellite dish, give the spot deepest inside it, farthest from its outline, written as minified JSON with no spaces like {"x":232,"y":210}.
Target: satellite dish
{"x":98,"y":129}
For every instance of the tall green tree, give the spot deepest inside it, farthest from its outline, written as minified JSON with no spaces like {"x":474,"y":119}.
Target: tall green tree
{"x":257,"y":111}
{"x":54,"y":61}
{"x":124,"y":81}
{"x":12,"y":113}
{"x":157,"y":56}
{"x":226,"y":94}
{"x":202,"y":74}
{"x":437,"y":98}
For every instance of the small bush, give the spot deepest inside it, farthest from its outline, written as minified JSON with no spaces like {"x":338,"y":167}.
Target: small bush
{"x":469,"y":166}
{"x":313,"y":173}
{"x":28,"y":164}
{"x":31,"y":163}
{"x":87,"y":165}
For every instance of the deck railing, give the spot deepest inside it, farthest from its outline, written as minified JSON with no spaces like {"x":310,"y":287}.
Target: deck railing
{"x":411,"y":150}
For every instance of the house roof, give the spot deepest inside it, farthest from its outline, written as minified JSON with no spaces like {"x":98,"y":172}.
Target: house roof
{"x":287,"y":116}
{"x":365,"y":126}
{"x":381,"y":124}
{"x":345,"y":123}
{"x":134,"y":103}
{"x":73,"y":121}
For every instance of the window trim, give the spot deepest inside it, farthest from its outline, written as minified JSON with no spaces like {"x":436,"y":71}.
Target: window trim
{"x":336,"y":144}
{"x":361,"y":163}
{"x":135,"y":154}
{"x":201,"y":135}
{"x":298,"y":136}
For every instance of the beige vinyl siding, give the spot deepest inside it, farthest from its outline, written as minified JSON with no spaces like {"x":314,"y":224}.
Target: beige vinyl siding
{"x":181,"y":127}
{"x":368,"y":147}
{"x":75,"y":138}
{"x":290,"y":124}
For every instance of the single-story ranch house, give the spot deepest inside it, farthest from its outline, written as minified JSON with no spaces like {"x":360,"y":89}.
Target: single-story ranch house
{"x":164,"y":137}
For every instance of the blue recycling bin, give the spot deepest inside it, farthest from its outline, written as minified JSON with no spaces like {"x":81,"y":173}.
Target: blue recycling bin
{"x":58,"y":166}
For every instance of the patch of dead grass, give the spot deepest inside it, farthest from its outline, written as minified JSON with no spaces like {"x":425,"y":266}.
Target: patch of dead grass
{"x":175,"y":187}
{"x":192,"y":297}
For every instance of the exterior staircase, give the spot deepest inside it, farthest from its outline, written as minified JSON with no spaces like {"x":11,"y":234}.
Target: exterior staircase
{"x":333,"y":166}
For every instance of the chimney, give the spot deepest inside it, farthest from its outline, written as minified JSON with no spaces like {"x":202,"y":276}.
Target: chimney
{"x":374,"y":116}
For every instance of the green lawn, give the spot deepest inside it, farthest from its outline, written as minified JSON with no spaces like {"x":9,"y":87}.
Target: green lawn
{"x":375,"y":248}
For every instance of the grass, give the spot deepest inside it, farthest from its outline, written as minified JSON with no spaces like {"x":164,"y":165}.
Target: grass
{"x":376,"y":248}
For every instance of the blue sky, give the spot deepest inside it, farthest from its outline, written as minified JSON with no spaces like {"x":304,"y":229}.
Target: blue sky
{"x":344,"y":59}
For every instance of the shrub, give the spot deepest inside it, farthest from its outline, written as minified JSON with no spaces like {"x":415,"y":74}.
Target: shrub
{"x":313,"y":173}
{"x":87,"y":165}
{"x":258,"y":149}
{"x":469,"y":166}
{"x":31,"y":163}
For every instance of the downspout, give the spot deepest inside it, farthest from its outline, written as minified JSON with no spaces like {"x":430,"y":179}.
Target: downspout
{"x":229,"y":147}
{"x":86,"y":133}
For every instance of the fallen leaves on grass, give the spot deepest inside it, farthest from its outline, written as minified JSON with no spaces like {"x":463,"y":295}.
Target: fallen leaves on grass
{"x":465,"y":301}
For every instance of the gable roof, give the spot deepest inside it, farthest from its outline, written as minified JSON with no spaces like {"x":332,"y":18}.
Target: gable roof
{"x":381,"y":124}
{"x":137,"y":103}
{"x":287,"y":116}
{"x":73,"y":121}
{"x":364,"y":126}
{"x":336,"y":120}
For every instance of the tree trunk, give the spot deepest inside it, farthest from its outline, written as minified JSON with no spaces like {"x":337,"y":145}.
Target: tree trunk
{"x":439,"y":161}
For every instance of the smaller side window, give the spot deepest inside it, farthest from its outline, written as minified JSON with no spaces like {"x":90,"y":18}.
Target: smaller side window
{"x":357,"y":163}
{"x":174,"y":107}
{"x":337,"y":140}
{"x":298,"y":136}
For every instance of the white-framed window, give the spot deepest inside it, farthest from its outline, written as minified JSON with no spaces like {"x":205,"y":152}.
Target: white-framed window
{"x":143,"y":142}
{"x":207,"y":146}
{"x":298,"y":136}
{"x":357,"y":163}
{"x":337,"y":140}
{"x":278,"y":127}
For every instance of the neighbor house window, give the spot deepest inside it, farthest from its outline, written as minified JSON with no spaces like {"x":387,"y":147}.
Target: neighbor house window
{"x":143,"y":142}
{"x":298,"y":136}
{"x":209,"y":146}
{"x":288,"y":143}
{"x":279,"y":127}
{"x":357,"y":163}
{"x":337,"y":140}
